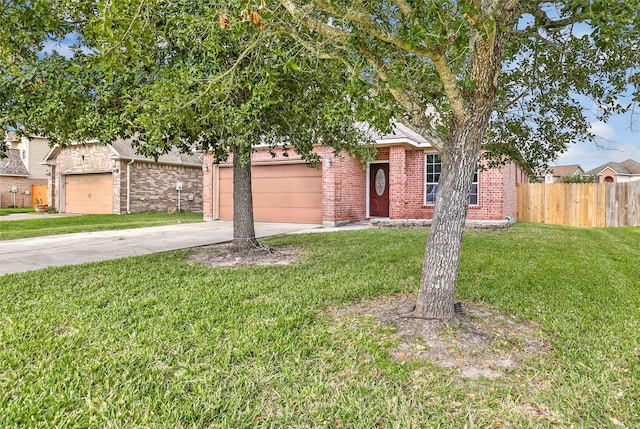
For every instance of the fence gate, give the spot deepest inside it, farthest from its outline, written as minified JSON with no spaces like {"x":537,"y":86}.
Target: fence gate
{"x":38,"y":193}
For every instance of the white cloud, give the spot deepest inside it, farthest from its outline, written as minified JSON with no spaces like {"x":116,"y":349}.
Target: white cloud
{"x":588,"y":155}
{"x":63,"y":49}
{"x":602,"y":130}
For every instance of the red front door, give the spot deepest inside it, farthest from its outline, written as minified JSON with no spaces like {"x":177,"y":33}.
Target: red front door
{"x":379,"y":190}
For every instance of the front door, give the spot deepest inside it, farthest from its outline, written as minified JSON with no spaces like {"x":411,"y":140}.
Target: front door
{"x":379,"y":190}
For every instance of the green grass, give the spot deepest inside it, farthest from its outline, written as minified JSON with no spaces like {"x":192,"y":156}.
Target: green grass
{"x":12,"y":210}
{"x":154,"y":341}
{"x":45,"y":225}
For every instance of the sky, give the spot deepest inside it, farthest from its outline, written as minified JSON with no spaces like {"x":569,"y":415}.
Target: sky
{"x":618,"y":140}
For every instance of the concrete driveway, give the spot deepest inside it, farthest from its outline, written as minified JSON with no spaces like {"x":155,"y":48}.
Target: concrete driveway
{"x":40,"y":252}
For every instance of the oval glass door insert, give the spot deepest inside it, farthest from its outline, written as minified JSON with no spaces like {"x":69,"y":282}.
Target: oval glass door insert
{"x":381,"y":182}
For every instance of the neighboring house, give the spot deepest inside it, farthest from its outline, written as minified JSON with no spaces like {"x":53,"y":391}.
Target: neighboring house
{"x":96,"y":178}
{"x":556,"y":172}
{"x":613,"y":172}
{"x":400,"y":184}
{"x":22,"y":179}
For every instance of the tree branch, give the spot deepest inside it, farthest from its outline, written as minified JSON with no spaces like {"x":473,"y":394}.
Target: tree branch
{"x":228,"y":72}
{"x":372,"y":29}
{"x":404,"y":7}
{"x":419,"y":121}
{"x":548,"y":23}
{"x":324,"y":29}
{"x":319,"y":52}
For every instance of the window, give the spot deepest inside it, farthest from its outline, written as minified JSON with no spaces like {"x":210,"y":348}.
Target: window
{"x":432,"y":169}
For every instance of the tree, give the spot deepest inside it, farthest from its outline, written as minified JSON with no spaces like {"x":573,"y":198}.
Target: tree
{"x":498,"y":79}
{"x":579,"y":178}
{"x":179,"y":74}
{"x":25,"y":27}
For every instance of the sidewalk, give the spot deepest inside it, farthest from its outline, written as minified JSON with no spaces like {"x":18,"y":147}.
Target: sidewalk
{"x":23,"y":216}
{"x":40,"y":252}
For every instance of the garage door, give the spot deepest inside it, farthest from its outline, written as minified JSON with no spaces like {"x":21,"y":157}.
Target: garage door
{"x":89,"y":193}
{"x":281,"y":193}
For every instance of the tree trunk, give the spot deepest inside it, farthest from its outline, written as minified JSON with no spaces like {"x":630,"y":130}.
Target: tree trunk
{"x":460,"y":155}
{"x":440,"y":268}
{"x":244,"y":233}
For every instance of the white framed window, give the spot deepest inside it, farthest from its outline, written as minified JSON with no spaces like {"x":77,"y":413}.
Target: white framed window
{"x":432,"y":170}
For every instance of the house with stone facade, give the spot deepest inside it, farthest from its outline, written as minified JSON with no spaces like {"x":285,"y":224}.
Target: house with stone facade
{"x":399,"y":184}
{"x":97,"y":178}
{"x":23,"y":181}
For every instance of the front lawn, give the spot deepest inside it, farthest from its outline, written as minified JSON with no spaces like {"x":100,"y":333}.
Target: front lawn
{"x":12,"y":210}
{"x":45,"y":225}
{"x":155,"y":341}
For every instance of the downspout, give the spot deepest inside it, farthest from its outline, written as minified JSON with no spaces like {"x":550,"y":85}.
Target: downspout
{"x":129,"y":186}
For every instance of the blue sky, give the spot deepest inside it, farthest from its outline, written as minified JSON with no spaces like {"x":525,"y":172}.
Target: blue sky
{"x":620,"y":136}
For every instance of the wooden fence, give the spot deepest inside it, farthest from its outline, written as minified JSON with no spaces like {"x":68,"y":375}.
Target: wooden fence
{"x":580,"y":204}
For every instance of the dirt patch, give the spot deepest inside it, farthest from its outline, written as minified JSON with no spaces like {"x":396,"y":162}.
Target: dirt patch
{"x":223,"y":255}
{"x":476,"y":343}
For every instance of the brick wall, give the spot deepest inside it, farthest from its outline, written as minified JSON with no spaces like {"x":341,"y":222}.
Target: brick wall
{"x":207,"y":187}
{"x":22,"y":199}
{"x":152,"y":188}
{"x":497,"y":191}
{"x":398,"y":192}
{"x":344,"y":184}
{"x":344,"y":188}
{"x":89,"y":158}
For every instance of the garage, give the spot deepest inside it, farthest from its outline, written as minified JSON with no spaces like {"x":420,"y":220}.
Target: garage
{"x":281,"y":193}
{"x":88,"y":193}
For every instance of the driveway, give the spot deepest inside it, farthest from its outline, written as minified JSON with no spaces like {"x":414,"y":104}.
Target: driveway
{"x":40,"y":252}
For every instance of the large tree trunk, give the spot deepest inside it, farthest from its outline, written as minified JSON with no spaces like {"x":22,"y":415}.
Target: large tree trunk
{"x":460,"y":155}
{"x":244,"y":233}
{"x":442,"y":255}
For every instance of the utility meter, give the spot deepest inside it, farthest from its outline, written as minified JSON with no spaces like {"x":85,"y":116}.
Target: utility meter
{"x":178,"y":186}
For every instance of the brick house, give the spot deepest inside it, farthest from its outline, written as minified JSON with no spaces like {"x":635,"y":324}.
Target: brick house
{"x":97,"y":178}
{"x":617,"y":172}
{"x":399,"y":184}
{"x":22,"y":179}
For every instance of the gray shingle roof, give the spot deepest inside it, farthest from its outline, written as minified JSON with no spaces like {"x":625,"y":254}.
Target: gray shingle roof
{"x":628,"y":167}
{"x":10,"y":136}
{"x":125,"y":150}
{"x":12,"y":165}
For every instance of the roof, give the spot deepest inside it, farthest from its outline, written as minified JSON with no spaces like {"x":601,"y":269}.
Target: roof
{"x":10,"y":136}
{"x":123,"y":149}
{"x":12,"y":165}
{"x":624,"y":168}
{"x":564,"y":170}
{"x":400,"y":133}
